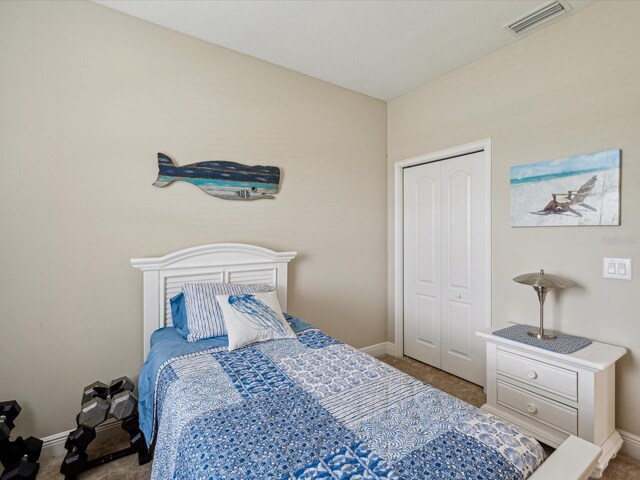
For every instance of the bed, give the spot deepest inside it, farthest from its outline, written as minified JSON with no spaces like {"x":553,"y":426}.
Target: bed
{"x":307,"y":407}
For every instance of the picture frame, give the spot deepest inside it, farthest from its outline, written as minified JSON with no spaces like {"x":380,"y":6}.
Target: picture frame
{"x":573,"y":191}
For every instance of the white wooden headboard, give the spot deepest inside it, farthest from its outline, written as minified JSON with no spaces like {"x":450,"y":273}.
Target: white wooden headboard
{"x":220,"y":262}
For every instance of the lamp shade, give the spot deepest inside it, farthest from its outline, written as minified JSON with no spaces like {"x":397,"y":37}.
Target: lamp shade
{"x":544,"y":280}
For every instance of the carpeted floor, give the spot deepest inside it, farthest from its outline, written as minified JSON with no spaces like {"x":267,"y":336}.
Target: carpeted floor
{"x":621,"y":468}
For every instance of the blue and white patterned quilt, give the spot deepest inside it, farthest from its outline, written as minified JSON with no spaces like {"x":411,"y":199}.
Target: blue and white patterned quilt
{"x":313,"y":408}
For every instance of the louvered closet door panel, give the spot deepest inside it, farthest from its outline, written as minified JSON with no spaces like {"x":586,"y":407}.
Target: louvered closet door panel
{"x":463,"y":223}
{"x":422,"y":299}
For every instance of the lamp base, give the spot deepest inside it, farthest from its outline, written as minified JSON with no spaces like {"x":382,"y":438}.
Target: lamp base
{"x":545,"y":335}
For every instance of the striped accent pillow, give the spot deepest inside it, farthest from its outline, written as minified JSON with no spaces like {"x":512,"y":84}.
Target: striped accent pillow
{"x":204,"y":316}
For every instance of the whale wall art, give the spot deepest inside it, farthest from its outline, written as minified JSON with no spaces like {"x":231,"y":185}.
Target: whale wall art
{"x":228,"y":180}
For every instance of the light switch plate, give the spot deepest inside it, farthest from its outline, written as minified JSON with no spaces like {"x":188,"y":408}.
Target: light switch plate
{"x":617,"y":268}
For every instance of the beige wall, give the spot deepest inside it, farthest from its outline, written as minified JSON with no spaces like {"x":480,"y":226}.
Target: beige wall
{"x":571,"y":88}
{"x":88,"y":96}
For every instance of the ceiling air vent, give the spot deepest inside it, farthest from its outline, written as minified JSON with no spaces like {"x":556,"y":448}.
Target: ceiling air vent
{"x":539,"y":16}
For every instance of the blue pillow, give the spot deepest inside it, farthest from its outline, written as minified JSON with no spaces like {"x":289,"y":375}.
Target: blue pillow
{"x":179,"y":315}
{"x":203,"y":314}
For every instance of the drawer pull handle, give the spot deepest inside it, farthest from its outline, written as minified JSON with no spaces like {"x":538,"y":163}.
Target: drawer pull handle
{"x":532,"y":374}
{"x":532,"y":408}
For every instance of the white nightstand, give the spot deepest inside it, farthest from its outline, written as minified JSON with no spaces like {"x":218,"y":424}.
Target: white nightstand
{"x":552,"y":395}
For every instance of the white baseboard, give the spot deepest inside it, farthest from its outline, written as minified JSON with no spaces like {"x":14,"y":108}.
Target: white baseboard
{"x":631,"y":445}
{"x":53,"y":445}
{"x":379,"y":349}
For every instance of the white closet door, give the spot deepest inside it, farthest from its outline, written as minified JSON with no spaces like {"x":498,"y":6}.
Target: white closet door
{"x":463,"y":266}
{"x":444,"y":270}
{"x":422,"y":284}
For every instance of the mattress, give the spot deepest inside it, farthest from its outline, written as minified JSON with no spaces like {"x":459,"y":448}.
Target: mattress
{"x":311,"y":408}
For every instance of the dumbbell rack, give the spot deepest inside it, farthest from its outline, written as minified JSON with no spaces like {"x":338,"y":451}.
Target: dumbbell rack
{"x":19,"y":457}
{"x":99,"y":403}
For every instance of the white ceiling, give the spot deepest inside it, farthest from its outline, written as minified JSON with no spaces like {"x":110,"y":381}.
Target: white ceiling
{"x":380,"y":48}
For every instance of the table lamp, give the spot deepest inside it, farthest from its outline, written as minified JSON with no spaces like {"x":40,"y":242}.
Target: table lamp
{"x":542,"y":283}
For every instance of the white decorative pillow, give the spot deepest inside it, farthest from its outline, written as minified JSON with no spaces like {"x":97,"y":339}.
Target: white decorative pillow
{"x":253,"y":317}
{"x":204,"y":317}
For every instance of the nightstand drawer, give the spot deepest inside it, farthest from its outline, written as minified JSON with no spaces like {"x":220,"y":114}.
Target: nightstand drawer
{"x":539,"y":408}
{"x":553,"y":379}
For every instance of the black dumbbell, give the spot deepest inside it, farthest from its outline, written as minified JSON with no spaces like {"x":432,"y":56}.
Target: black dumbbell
{"x":93,"y":413}
{"x":121,"y":384}
{"x":96,"y":389}
{"x":80,"y":438}
{"x":12,"y":452}
{"x":74,"y":462}
{"x":8,"y":413}
{"x":33,"y":448}
{"x":123,"y":405}
{"x":23,"y":470}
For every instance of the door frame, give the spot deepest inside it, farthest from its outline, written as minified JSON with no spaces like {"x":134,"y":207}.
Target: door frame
{"x":398,"y":168}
